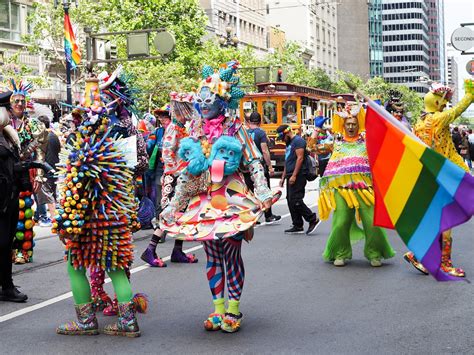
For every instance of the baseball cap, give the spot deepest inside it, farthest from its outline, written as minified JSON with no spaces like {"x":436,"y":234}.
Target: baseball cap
{"x":255,"y":117}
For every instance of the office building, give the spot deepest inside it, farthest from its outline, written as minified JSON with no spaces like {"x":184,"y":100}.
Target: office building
{"x":246,"y":19}
{"x":312,"y":24}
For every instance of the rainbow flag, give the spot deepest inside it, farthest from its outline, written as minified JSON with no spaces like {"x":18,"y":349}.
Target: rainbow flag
{"x":73,"y":53}
{"x":418,"y":192}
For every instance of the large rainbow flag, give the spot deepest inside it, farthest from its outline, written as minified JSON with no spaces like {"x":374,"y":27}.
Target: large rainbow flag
{"x":73,"y":53}
{"x":418,"y":192}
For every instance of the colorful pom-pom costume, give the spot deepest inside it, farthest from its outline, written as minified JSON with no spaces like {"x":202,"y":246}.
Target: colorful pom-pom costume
{"x":32,"y":134}
{"x":219,"y":209}
{"x":433,"y":130}
{"x":95,"y":207}
{"x":346,"y":188}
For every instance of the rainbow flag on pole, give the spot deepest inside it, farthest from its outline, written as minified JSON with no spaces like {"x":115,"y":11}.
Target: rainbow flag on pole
{"x":73,"y":53}
{"x":418,"y":192}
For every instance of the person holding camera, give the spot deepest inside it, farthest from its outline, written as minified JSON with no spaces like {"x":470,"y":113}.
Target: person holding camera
{"x":9,"y":188}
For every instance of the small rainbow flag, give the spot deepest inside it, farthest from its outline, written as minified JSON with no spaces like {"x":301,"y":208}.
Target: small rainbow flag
{"x":73,"y":53}
{"x":418,"y":192}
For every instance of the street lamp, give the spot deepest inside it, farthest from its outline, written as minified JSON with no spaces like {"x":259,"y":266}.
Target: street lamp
{"x":229,"y":40}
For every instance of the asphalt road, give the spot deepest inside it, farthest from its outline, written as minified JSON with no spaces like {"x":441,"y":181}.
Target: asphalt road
{"x":293,"y":302}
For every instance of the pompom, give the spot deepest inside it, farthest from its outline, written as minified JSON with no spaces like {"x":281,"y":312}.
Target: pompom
{"x":140,"y":301}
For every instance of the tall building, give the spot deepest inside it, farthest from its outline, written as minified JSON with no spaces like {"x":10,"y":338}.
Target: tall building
{"x":246,"y":18}
{"x":406,"y":43}
{"x":312,"y":24}
{"x":353,"y":37}
{"x":452,"y":71}
{"x":375,"y":38}
{"x":13,"y":25}
{"x":436,"y":39}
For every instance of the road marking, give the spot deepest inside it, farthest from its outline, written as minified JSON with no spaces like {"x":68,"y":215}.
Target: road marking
{"x":67,"y":295}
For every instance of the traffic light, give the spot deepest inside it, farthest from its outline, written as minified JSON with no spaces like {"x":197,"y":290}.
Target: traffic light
{"x":280,"y":75}
{"x":110,"y":50}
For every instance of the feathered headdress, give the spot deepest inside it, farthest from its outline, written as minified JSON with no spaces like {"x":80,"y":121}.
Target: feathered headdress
{"x":350,"y":111}
{"x":223,"y":82}
{"x":20,"y":88}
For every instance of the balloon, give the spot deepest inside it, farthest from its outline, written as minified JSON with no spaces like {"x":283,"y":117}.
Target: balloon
{"x":20,"y":226}
{"x":22,"y":203}
{"x":29,"y":224}
{"x":26,"y":245}
{"x":21,"y":215}
{"x":19,"y":235}
{"x":28,"y":202}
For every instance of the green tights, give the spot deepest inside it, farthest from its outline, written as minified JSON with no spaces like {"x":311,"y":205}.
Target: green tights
{"x":81,"y":290}
{"x":338,"y":245}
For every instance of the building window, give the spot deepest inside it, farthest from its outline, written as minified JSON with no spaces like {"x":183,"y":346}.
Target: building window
{"x":10,"y":21}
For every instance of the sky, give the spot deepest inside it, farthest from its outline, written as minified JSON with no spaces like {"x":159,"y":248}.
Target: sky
{"x":455,"y":13}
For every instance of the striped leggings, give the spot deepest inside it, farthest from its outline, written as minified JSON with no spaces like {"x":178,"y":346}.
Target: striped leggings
{"x":219,"y":252}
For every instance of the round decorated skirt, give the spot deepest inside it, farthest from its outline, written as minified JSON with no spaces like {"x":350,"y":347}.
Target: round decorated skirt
{"x":227,"y":209}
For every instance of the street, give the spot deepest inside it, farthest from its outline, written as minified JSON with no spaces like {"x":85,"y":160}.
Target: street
{"x":293,"y":302}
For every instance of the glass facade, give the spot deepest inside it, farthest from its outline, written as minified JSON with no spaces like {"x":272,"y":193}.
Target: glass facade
{"x":375,"y":38}
{"x":10,"y":21}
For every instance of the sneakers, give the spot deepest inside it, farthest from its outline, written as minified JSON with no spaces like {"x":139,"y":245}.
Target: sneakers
{"x":376,"y":262}
{"x":339,"y":262}
{"x":313,"y":225}
{"x":12,"y":295}
{"x":295,"y":230}
{"x":152,"y":259}
{"x":46,"y":222}
{"x":272,"y":219}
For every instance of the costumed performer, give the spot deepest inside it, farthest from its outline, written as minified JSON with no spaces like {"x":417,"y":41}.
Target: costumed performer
{"x":395,"y":106}
{"x":95,"y":207}
{"x":181,"y":111}
{"x":347,"y":188}
{"x":119,"y":99}
{"x":219,"y":208}
{"x":433,"y":129}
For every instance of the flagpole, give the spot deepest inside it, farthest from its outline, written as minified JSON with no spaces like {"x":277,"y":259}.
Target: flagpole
{"x":68,"y":64}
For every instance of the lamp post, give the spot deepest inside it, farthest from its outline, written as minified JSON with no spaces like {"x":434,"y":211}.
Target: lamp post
{"x":66,"y":4}
{"x":229,"y":40}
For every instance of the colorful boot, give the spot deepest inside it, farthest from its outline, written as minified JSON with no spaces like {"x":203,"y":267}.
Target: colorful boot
{"x":86,"y":323}
{"x":127,"y":324}
{"x":111,"y":309}
{"x":152,"y":259}
{"x":410,"y":257}
{"x":233,"y":318}
{"x":100,"y":298}
{"x":214,"y":321}
{"x":446,"y":262}
{"x":178,"y":256}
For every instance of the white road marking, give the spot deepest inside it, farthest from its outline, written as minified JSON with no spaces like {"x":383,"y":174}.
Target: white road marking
{"x":67,"y":295}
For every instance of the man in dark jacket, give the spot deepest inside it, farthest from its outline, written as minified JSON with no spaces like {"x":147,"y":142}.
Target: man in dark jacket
{"x":457,"y":139}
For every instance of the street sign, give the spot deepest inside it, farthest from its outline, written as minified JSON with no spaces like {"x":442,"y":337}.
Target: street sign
{"x":470,"y":67}
{"x":164,"y":42}
{"x":462,"y":39}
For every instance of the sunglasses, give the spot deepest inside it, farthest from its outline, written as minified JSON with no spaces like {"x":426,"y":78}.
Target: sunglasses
{"x":19,"y":101}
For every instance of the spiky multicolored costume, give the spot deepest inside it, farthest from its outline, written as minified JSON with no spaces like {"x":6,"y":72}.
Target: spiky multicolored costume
{"x":218,"y":207}
{"x":96,"y":204}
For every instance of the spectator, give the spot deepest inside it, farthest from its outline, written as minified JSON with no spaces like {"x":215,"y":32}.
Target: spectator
{"x":456,"y":139}
{"x":9,"y":156}
{"x":46,"y":190}
{"x":470,"y":139}
{"x":464,"y":151}
{"x":261,"y":141}
{"x":295,"y":176}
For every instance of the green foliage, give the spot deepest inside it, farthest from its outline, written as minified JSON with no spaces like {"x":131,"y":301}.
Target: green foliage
{"x":13,"y":69}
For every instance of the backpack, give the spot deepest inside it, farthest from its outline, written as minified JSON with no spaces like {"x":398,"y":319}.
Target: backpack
{"x":312,"y":167}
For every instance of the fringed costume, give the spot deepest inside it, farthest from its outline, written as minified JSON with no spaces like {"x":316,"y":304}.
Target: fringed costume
{"x":346,"y":188}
